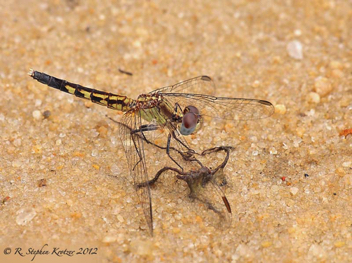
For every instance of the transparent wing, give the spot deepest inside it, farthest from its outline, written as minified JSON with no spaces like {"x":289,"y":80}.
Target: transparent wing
{"x":222,"y":107}
{"x":197,"y":85}
{"x":206,"y":190}
{"x":134,"y":149}
{"x":218,"y":179}
{"x":199,"y":92}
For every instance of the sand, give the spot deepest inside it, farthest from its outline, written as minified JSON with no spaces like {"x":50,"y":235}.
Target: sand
{"x":64,"y":177}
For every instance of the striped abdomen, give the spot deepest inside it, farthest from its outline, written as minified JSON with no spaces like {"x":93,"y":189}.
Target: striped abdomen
{"x":109,"y":100}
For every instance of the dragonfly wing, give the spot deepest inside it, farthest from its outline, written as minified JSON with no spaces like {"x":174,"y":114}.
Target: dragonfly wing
{"x":198,"y":85}
{"x":220,"y":193}
{"x":210,"y":194}
{"x":222,"y":107}
{"x":199,"y":92}
{"x":211,"y":187}
{"x":134,"y":149}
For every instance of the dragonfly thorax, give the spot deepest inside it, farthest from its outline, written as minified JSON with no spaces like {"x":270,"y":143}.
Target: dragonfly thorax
{"x":153,"y":107}
{"x":147,"y":101}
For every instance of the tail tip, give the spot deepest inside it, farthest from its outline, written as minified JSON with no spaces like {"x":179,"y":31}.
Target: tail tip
{"x":31,"y":72}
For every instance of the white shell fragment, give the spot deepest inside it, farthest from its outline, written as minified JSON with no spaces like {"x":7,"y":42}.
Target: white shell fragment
{"x":295,"y":49}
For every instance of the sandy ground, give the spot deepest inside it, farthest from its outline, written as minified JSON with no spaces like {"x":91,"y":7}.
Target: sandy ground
{"x":289,"y":177}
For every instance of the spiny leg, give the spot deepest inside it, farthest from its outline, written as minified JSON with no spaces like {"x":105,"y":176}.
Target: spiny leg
{"x":187,"y":156}
{"x":158,"y":174}
{"x":138,"y":152}
{"x":181,"y":142}
{"x":227,"y":149}
{"x":168,"y":151}
{"x":145,"y":128}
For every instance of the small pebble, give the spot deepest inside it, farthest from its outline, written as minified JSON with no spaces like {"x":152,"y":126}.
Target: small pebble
{"x":96,"y":167}
{"x":244,"y":251}
{"x":16,"y":164}
{"x":37,"y":115}
{"x":266,"y":244}
{"x":336,"y":65}
{"x":295,"y":49}
{"x":347,"y":164}
{"x":25,"y":215}
{"x":17,"y":142}
{"x":256,"y":84}
{"x":88,"y":104}
{"x":317,"y":252}
{"x":344,"y":102}
{"x":141,"y":247}
{"x":102,"y":131}
{"x":46,"y":114}
{"x":115,"y":169}
{"x":176,"y":230}
{"x":298,"y":32}
{"x":280,"y":109}
{"x":348,"y":180}
{"x":42,"y":182}
{"x":313,"y":97}
{"x":293,"y":190}
{"x":276,"y":60}
{"x":337,"y":73}
{"x":272,"y":150}
{"x":109,"y":239}
{"x":37,"y":103}
{"x":6,"y":199}
{"x":339,"y":244}
{"x":300,"y":131}
{"x":322,"y":86}
{"x":253,"y":138}
{"x":229,"y":127}
{"x":340,"y":171}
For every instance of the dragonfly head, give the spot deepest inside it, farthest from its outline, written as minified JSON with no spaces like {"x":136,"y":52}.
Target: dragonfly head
{"x":191,"y":120}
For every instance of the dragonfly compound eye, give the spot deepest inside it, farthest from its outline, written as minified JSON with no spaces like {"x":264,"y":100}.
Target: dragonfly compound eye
{"x":192,"y":109}
{"x":189,"y":123}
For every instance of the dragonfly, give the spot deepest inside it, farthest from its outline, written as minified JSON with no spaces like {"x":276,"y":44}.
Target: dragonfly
{"x":180,"y":109}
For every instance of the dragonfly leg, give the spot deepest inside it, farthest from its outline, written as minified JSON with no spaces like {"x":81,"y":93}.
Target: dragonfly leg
{"x":157,"y":175}
{"x":187,"y":156}
{"x":138,"y":152}
{"x":178,"y":106}
{"x":227,"y":149}
{"x":181,"y":142}
{"x":168,"y":151}
{"x":145,"y":127}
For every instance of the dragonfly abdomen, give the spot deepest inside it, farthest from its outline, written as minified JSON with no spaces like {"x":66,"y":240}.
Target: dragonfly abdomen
{"x":109,"y":100}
